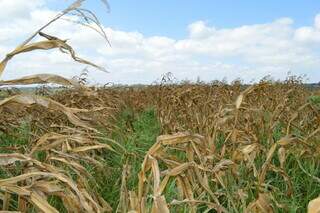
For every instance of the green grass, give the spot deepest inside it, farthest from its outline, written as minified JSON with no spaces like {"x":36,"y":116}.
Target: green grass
{"x":19,"y":138}
{"x":136,"y":133}
{"x":315,"y":99}
{"x":305,"y":188}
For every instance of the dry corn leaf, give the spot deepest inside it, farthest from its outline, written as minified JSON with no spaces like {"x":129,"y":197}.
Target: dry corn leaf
{"x":42,"y":79}
{"x":163,"y":184}
{"x":174,"y":139}
{"x":222,"y":165}
{"x":60,"y":177}
{"x":88,"y":148}
{"x":160,"y":205}
{"x":75,"y":5}
{"x":29,"y":100}
{"x":16,"y":190}
{"x":265,"y":165}
{"x":6,"y":201}
{"x":249,"y":148}
{"x":124,"y":195}
{"x":45,"y":45}
{"x":241,"y":96}
{"x":133,"y":201}
{"x":179,"y":169}
{"x":239,"y":101}
{"x":34,"y":197}
{"x":282,"y":156}
{"x":156,"y":175}
{"x":41,"y":203}
{"x":285,"y":141}
{"x":263,"y":203}
{"x":78,"y":167}
{"x":6,"y":159}
{"x":314,"y":206}
{"x":49,"y":187}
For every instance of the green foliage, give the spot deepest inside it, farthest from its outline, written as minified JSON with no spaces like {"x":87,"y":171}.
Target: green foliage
{"x":305,"y":188}
{"x":136,"y":133}
{"x":19,"y":137}
{"x":315,"y":99}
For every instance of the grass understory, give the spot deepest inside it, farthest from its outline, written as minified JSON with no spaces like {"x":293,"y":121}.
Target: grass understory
{"x":137,"y":133}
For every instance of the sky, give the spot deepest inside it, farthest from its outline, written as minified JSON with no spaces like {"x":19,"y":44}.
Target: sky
{"x":210,"y":40}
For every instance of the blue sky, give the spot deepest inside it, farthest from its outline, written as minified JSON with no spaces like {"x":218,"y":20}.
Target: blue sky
{"x":170,"y":17}
{"x":208,"y":39}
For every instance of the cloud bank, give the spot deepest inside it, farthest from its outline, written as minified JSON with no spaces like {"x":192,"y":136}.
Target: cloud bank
{"x":249,"y":52}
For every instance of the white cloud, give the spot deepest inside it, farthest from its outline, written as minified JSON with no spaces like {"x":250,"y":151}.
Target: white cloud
{"x":309,"y":34}
{"x":249,"y":51}
{"x":199,"y":30}
{"x":17,"y":8}
{"x":317,"y":21}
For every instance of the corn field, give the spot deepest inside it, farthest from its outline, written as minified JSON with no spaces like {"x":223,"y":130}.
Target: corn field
{"x":215,"y":147}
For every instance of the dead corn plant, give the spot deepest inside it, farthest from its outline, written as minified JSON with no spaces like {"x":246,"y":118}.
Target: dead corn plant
{"x":53,"y":165}
{"x":244,"y":141}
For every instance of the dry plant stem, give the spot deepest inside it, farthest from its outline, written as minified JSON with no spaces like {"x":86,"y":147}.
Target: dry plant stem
{"x":73,"y":6}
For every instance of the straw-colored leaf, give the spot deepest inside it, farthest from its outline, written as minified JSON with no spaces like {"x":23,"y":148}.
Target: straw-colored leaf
{"x":282,"y":156}
{"x":41,"y":203}
{"x":160,"y":205}
{"x":42,"y":79}
{"x":87,"y":148}
{"x":314,"y":206}
{"x":239,"y":101}
{"x":45,"y":45}
{"x":263,"y":203}
{"x":29,"y":100}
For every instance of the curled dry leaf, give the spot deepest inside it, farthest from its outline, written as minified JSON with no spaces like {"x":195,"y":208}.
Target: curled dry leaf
{"x":314,"y":206}
{"x":87,"y":148}
{"x":45,"y":45}
{"x":261,"y":205}
{"x":239,"y":101}
{"x":264,"y":203}
{"x":265,"y":165}
{"x":160,"y":205}
{"x":222,"y":165}
{"x":29,"y":100}
{"x":242,"y":95}
{"x":249,"y":148}
{"x":75,"y":5}
{"x":282,"y":156}
{"x":42,"y":203}
{"x":284,"y":141}
{"x":36,"y":180}
{"x":42,"y":79}
{"x":7,"y":159}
